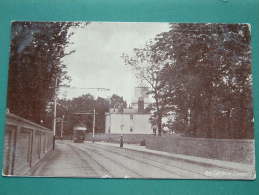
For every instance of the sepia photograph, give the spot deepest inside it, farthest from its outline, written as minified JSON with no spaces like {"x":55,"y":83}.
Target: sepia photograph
{"x":130,"y":100}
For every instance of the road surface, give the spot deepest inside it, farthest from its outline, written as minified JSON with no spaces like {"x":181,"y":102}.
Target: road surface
{"x":97,"y":160}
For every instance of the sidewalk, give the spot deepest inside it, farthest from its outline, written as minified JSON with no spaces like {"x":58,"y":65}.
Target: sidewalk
{"x":192,"y":159}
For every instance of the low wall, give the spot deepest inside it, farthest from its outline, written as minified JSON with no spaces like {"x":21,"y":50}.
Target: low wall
{"x":127,"y":138}
{"x":222,"y":149}
{"x":25,"y":144}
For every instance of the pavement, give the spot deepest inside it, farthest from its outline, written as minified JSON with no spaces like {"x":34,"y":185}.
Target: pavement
{"x":108,"y":160}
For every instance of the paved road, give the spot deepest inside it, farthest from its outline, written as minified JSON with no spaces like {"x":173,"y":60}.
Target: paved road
{"x":96,"y":160}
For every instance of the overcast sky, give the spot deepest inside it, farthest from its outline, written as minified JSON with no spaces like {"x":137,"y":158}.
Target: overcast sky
{"x":97,"y":61}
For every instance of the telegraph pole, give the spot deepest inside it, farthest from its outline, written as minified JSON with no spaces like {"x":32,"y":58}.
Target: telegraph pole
{"x":93,"y":124}
{"x":55,"y":112}
{"x":62,"y":127}
{"x":94,"y":113}
{"x":55,"y":108}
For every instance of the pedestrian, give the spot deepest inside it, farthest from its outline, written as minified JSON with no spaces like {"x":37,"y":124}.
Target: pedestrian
{"x":121,"y":141}
{"x":154,"y":130}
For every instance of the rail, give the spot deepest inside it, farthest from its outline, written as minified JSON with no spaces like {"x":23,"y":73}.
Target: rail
{"x":25,"y":144}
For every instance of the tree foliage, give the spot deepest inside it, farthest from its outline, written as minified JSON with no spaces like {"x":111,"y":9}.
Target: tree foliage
{"x":117,"y":102}
{"x":204,"y":78}
{"x":37,"y":49}
{"x":70,"y":109}
{"x":148,"y":71}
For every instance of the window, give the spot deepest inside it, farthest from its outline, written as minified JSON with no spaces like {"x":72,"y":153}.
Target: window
{"x":131,"y":116}
{"x":131,"y":129}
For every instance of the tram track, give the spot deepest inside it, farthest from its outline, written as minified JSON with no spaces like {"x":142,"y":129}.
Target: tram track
{"x":190,"y":174}
{"x":149,"y":166}
{"x":99,"y":170}
{"x":131,"y":172}
{"x":157,"y":164}
{"x":105,"y":161}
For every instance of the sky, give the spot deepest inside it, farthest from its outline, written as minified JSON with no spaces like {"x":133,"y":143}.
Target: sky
{"x":97,"y":61}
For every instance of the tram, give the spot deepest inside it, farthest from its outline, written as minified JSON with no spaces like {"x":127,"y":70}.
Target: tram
{"x":79,"y":133}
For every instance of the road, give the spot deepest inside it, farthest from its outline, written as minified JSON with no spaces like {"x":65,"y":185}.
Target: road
{"x":97,"y":160}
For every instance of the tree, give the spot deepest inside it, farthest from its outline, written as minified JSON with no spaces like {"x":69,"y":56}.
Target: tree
{"x":117,"y":102}
{"x":37,"y":49}
{"x":208,"y":76}
{"x":147,"y":69}
{"x":86,"y":104}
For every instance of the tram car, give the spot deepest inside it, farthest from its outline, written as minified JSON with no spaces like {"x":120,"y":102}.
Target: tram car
{"x":79,"y":133}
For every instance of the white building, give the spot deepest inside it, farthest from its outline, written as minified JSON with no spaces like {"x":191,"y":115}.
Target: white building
{"x":132,"y":120}
{"x":127,"y":123}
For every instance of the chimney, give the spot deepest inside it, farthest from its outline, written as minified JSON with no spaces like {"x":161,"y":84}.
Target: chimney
{"x":140,"y":105}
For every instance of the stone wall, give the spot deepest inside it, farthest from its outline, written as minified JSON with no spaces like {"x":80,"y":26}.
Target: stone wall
{"x":115,"y":138}
{"x":234,"y":150}
{"x":222,"y":149}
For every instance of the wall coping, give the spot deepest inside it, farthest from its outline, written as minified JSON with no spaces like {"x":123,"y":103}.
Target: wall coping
{"x":204,"y":139}
{"x":12,"y":119}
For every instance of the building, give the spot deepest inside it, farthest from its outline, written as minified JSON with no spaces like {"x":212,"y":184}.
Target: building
{"x":140,"y":93}
{"x":133,"y":120}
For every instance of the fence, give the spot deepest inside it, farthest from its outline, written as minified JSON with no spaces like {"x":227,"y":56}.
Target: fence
{"x":26,"y":143}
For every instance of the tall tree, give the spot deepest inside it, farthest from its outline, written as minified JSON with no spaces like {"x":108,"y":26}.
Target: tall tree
{"x":117,"y":102}
{"x":147,"y":67}
{"x":36,"y":66}
{"x":208,"y":75}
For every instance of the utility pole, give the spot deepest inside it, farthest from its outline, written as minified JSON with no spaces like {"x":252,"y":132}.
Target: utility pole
{"x":55,"y":117}
{"x":94,"y":113}
{"x":94,"y":120}
{"x":110,"y":118}
{"x":55,"y":108}
{"x":93,"y":124}
{"x":55,"y":112}
{"x":62,"y":127}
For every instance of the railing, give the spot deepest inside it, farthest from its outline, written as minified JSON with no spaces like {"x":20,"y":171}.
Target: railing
{"x":26,"y":143}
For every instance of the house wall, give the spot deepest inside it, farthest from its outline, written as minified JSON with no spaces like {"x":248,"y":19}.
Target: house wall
{"x":138,"y":122}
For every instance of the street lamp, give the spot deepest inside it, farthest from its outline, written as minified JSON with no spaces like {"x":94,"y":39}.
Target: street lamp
{"x":122,"y":124}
